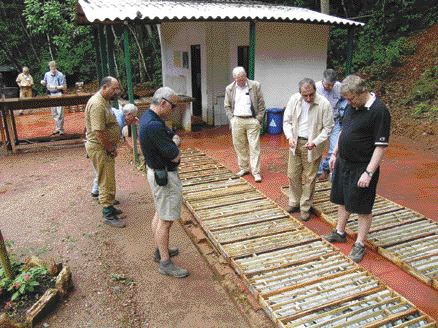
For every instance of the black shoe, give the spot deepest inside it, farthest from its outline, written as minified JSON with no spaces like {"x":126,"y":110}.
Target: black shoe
{"x":115,"y":211}
{"x":114,"y":221}
{"x":173,"y":251}
{"x":335,"y":237}
{"x":95,"y":195}
{"x":292,"y":209}
{"x":116,"y":202}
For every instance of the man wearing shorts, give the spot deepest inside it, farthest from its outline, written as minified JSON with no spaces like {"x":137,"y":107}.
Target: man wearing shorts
{"x":162,"y":158}
{"x":356,"y":159}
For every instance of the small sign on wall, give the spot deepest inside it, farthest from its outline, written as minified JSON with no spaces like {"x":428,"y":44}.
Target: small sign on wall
{"x":180,"y":59}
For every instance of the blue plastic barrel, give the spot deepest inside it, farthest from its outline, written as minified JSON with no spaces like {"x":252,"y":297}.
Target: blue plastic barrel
{"x":275,"y":120}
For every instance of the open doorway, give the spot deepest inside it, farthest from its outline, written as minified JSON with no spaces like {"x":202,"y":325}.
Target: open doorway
{"x":196,"y":79}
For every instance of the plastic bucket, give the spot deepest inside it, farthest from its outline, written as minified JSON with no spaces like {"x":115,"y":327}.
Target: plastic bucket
{"x":275,"y":120}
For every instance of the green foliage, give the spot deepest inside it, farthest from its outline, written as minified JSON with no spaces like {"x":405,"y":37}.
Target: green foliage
{"x":382,"y":42}
{"x":425,"y":89}
{"x":26,"y":282}
{"x":66,"y":42}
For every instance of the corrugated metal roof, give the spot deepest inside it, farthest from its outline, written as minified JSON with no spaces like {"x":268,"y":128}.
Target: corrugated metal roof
{"x":150,"y":10}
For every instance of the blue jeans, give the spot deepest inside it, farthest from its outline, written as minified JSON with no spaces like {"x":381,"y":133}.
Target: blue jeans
{"x":333,"y":139}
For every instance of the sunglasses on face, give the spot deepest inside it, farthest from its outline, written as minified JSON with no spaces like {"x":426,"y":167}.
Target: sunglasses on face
{"x":173,"y":105}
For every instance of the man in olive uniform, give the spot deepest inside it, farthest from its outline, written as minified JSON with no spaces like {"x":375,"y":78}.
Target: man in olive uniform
{"x":103,"y":134}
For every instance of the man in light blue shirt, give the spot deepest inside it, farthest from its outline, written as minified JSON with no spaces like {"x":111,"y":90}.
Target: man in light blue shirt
{"x":55,"y":83}
{"x":330,"y":88}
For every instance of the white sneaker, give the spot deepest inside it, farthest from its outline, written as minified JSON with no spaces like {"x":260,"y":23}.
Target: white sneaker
{"x":241,"y":173}
{"x":257,"y":178}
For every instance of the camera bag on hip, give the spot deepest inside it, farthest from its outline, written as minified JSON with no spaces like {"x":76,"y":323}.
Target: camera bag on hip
{"x":160,"y":176}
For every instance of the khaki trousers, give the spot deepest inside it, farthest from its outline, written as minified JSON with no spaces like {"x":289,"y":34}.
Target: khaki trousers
{"x":106,"y":175}
{"x":26,"y":92}
{"x":302,"y":177}
{"x":246,"y":141}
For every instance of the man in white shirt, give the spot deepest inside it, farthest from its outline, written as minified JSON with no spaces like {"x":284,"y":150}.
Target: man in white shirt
{"x":307,"y":123}
{"x":245,"y":107}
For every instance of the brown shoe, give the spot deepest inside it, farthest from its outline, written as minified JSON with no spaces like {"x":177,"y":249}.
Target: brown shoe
{"x":324,"y":176}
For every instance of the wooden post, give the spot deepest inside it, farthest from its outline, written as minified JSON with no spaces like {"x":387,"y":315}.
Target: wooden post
{"x":128,"y":68}
{"x":4,"y":259}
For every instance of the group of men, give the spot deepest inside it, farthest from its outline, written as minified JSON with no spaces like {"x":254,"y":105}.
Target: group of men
{"x":358,"y":135}
{"x":54,"y":82}
{"x":346,"y":114}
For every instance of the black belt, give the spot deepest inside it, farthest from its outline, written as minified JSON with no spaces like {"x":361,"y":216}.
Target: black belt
{"x":168,"y":169}
{"x":302,"y":138}
{"x":243,"y":116}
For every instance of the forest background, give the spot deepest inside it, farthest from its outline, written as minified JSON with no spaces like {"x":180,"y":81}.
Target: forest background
{"x":34,"y":32}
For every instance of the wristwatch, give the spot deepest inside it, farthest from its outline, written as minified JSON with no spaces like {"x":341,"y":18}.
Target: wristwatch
{"x":370,"y":174}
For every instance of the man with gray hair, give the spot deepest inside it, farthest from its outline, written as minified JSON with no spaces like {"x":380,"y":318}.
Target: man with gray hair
{"x":307,"y":123}
{"x":330,"y":88}
{"x":162,"y":158}
{"x":245,"y":108}
{"x":103,"y":135}
{"x":56,"y":84}
{"x":356,"y":159}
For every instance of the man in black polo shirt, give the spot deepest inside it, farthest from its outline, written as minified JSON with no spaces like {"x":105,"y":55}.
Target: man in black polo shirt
{"x":356,"y":159}
{"x":162,"y":158}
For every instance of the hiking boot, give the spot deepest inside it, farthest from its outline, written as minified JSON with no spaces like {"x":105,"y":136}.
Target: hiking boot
{"x":114,"y":221}
{"x":305,"y":216}
{"x":335,"y":237}
{"x":292,"y":209}
{"x":170,"y":269}
{"x":357,"y":252}
{"x":241,"y":173}
{"x":173,"y":251}
{"x":116,"y":211}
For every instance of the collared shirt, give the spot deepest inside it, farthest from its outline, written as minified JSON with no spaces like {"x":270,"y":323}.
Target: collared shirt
{"x":24,"y":80}
{"x":156,"y":142}
{"x":370,"y":100}
{"x":363,"y":130}
{"x":100,"y":117}
{"x":242,"y":106}
{"x":53,"y":81}
{"x":118,"y":113}
{"x":303,"y":126}
{"x":333,"y":96}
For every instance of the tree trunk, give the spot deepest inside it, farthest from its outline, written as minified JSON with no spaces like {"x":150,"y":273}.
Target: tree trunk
{"x":29,"y":38}
{"x":325,"y":7}
{"x":4,"y":259}
{"x":49,"y":42}
{"x":143,"y":63}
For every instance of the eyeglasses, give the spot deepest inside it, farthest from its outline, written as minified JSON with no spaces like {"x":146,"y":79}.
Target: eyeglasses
{"x":173,"y":105}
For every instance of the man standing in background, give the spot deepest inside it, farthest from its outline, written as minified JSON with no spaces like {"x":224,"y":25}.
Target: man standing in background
{"x":55,"y":83}
{"x":330,"y":88}
{"x":245,"y":107}
{"x":25,"y":83}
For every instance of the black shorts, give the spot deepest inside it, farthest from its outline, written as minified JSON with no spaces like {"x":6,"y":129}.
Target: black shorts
{"x":345,"y":190}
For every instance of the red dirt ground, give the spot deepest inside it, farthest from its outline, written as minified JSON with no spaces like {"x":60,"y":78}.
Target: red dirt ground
{"x":409,"y":177}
